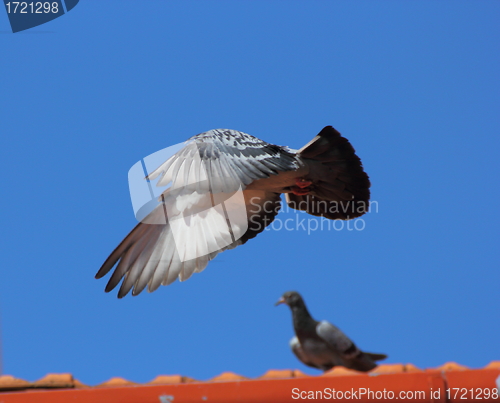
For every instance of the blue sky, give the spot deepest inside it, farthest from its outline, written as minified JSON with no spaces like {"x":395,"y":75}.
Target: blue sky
{"x":413,"y":85}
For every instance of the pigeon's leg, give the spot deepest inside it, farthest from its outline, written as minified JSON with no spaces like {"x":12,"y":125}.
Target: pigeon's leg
{"x":302,"y":188}
{"x":302,"y":183}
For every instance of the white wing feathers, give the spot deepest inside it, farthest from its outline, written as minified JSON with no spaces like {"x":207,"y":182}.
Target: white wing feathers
{"x":204,"y":212}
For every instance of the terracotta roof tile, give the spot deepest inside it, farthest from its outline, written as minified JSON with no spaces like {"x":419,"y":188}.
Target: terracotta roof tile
{"x":170,"y":379}
{"x":341,"y":371}
{"x":78,"y":384}
{"x":412,"y":368}
{"x":228,"y":377}
{"x":54,"y":381}
{"x":116,"y":381}
{"x":388,"y":369}
{"x":297,"y":373}
{"x":493,"y":365}
{"x":8,"y":382}
{"x":449,"y":366}
{"x":278,"y":373}
{"x":230,"y":387}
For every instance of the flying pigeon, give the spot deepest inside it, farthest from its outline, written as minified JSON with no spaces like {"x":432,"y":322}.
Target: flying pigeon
{"x":217,"y":175}
{"x":322,"y":345}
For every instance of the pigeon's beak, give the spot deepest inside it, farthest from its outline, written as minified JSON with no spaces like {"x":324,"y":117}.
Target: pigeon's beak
{"x":280,"y":301}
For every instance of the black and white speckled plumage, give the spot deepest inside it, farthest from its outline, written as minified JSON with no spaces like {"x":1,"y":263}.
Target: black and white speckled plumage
{"x":231,"y":158}
{"x":220,"y":162}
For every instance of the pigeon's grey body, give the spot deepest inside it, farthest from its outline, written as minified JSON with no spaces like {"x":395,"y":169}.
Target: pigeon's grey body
{"x":324,"y":178}
{"x":322,"y":345}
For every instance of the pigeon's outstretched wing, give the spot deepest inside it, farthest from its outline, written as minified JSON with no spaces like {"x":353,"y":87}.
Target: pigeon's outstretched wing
{"x":193,"y":223}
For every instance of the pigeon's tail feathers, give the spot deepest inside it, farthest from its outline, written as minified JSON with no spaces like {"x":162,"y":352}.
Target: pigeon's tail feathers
{"x":362,"y":363}
{"x":340,"y":186}
{"x":365,"y":361}
{"x":376,"y":357}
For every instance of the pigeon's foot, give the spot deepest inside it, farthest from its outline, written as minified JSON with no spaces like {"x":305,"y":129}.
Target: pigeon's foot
{"x":302,"y":188}
{"x":302,"y":183}
{"x":298,"y":191}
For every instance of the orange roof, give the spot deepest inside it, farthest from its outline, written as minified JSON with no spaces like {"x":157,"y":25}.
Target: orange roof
{"x":448,"y":383}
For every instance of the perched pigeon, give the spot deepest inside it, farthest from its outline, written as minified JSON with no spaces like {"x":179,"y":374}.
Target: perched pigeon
{"x":322,"y":345}
{"x":324,"y":178}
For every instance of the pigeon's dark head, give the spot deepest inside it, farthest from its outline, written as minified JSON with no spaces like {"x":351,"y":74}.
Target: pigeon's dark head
{"x":292,"y":299}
